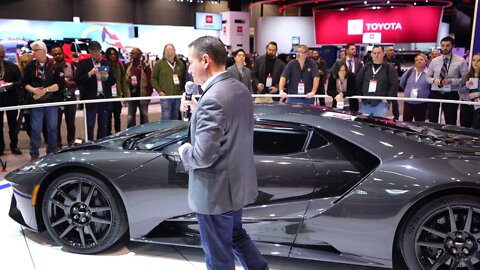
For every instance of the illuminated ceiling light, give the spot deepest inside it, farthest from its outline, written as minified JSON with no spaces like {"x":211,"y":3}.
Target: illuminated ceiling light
{"x":391,"y":6}
{"x":426,"y":1}
{"x":365,"y":2}
{"x":388,"y":2}
{"x":414,"y":3}
{"x":342,"y":9}
{"x":374,"y":7}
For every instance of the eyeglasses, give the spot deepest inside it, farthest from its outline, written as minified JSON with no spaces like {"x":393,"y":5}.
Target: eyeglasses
{"x":36,"y":50}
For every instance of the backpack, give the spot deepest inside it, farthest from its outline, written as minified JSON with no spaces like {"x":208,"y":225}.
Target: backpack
{"x":409,"y":73}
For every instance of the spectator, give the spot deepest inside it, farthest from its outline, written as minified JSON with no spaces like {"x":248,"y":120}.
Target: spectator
{"x":433,"y":54}
{"x":377,"y":78}
{"x":266,"y":72}
{"x":168,"y":78}
{"x":95,"y":82}
{"x":470,"y":114}
{"x":415,"y":85}
{"x":302,"y":77}
{"x":354,"y":67}
{"x":10,"y":82}
{"x":445,"y":74}
{"x":322,"y":71}
{"x":69,"y":95}
{"x":45,"y":83}
{"x":118,"y":90}
{"x":367,"y":58}
{"x":341,"y":55}
{"x":139,"y":78}
{"x":392,"y":60}
{"x":341,"y":84}
{"x":239,"y":71}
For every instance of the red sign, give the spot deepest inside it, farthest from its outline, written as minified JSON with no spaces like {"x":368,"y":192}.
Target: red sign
{"x":209,"y":19}
{"x":385,"y":25}
{"x":239,"y":29}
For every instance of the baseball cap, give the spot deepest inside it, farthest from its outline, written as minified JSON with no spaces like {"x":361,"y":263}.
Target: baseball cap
{"x":94,"y":45}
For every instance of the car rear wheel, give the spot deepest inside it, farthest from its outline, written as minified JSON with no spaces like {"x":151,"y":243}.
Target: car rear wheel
{"x":444,"y":234}
{"x":82,"y":214}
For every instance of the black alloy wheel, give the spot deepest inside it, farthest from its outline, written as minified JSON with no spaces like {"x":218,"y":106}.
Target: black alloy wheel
{"x":444,"y":234}
{"x":82,"y":214}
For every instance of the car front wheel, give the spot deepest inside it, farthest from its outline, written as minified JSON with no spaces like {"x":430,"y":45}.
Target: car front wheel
{"x":444,"y":234}
{"x":82,"y":214}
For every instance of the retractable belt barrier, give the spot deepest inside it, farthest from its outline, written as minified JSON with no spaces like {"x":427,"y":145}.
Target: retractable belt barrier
{"x":90,"y":101}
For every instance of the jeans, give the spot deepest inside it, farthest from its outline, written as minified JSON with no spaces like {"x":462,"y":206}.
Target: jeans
{"x":381,"y":109}
{"x":170,"y":109}
{"x":300,"y":100}
{"x":142,"y":106}
{"x":69,"y":111}
{"x":96,"y":112}
{"x":50,"y":116}
{"x":223,"y":238}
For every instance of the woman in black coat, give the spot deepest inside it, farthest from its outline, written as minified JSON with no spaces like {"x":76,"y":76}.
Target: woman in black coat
{"x":341,"y":84}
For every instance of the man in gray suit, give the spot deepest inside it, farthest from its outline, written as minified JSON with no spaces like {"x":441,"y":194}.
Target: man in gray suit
{"x":222,"y":176}
{"x":239,"y":71}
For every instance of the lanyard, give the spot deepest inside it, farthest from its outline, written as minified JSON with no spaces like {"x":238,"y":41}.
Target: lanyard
{"x":96,"y":63}
{"x":376,"y":71}
{"x":417,"y":76}
{"x":172,"y":66}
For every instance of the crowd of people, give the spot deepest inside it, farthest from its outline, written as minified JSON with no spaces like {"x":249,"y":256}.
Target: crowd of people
{"x":40,"y":79}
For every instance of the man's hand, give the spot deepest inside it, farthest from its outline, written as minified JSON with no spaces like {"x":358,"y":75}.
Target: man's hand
{"x":260,"y":87}
{"x":273,"y":90}
{"x":184,"y":104}
{"x":310,"y":94}
{"x":38,"y":92}
{"x":445,"y":82}
{"x":339,"y":98}
{"x":93,"y":71}
{"x":182,"y":148}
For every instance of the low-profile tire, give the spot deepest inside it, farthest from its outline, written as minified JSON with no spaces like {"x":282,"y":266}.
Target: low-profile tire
{"x":443,"y":234}
{"x":83,"y":214}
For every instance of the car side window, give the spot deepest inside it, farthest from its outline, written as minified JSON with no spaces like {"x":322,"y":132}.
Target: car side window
{"x":317,"y":141}
{"x":272,"y":140}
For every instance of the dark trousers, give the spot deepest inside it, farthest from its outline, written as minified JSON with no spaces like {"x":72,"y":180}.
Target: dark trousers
{"x":395,"y":111}
{"x":115,"y":112}
{"x":466,"y":115}
{"x":12,"y":132}
{"x":449,"y":110}
{"x":223,"y":238}
{"x":415,"y":112}
{"x":96,"y":113}
{"x":69,"y":111}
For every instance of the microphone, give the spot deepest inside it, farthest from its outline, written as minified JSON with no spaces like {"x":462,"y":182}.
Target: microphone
{"x":189,"y":88}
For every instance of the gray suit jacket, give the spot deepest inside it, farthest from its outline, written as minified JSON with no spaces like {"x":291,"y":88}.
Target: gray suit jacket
{"x":221,"y":165}
{"x":246,"y":79}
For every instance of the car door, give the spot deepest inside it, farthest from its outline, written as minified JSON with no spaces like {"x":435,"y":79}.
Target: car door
{"x":286,"y":181}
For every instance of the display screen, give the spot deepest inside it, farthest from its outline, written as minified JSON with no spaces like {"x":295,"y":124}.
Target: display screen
{"x":208,"y":21}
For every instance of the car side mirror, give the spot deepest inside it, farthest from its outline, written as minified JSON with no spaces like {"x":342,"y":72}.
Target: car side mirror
{"x":171,"y":153}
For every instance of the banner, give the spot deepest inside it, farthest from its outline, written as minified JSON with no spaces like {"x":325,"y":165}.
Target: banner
{"x":385,"y":25}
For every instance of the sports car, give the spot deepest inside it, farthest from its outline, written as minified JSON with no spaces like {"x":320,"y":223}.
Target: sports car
{"x":333,"y":186}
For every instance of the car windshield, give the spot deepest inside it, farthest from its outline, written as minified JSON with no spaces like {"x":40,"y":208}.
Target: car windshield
{"x":158,"y":140}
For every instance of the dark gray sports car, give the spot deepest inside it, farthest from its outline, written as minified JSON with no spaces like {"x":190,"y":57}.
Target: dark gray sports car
{"x":332,"y":186}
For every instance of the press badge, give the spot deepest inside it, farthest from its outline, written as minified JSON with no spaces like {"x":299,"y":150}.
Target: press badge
{"x":268,"y":83}
{"x":176,"y":80}
{"x":301,"y":88}
{"x":114,"y":90}
{"x":372,"y":87}
{"x":414,"y":93}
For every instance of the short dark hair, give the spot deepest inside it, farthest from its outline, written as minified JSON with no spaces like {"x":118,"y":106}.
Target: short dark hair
{"x":448,"y":39}
{"x":56,"y":45}
{"x":211,"y":46}
{"x":237,"y":51}
{"x":107,"y":52}
{"x":349,"y":45}
{"x":272,"y":43}
{"x":378,"y":46}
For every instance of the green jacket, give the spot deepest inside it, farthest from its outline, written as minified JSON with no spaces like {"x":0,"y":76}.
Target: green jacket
{"x":162,"y":77}
{"x":121,"y":83}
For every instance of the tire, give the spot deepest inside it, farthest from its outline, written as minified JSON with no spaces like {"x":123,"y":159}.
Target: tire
{"x":82,"y":214}
{"x":443,"y":234}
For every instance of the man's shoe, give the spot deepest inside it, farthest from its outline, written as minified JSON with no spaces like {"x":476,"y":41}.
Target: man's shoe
{"x":33,"y":158}
{"x":16,"y":151}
